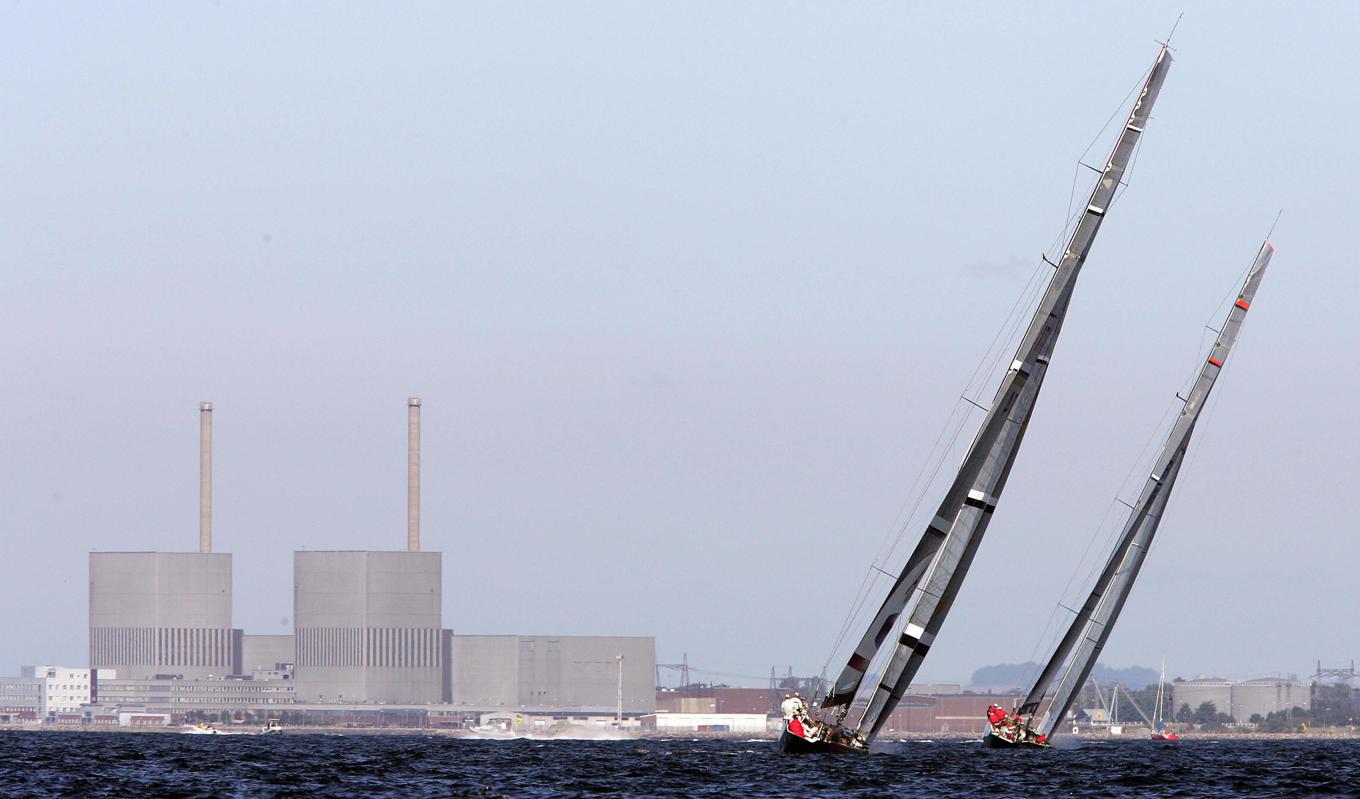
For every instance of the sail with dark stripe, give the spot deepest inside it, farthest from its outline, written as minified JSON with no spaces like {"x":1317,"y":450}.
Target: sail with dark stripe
{"x":937,"y":566}
{"x":1089,"y":631}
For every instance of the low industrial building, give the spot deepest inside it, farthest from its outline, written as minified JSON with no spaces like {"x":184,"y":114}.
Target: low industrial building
{"x":103,"y":715}
{"x":719,"y":699}
{"x":21,"y":699}
{"x":49,"y":692}
{"x":162,"y":613}
{"x":266,"y":655}
{"x":545,"y":674}
{"x":64,"y":689}
{"x":177,"y":695}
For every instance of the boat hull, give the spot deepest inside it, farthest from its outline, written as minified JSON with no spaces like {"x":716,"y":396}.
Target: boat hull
{"x":791,"y":744}
{"x":993,"y":741}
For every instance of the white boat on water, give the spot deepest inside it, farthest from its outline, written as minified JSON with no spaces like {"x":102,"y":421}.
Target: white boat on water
{"x":202,"y":729}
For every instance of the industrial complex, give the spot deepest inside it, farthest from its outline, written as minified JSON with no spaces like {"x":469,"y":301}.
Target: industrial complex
{"x":368,"y":640}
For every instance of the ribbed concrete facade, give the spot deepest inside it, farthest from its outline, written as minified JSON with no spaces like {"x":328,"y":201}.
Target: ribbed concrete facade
{"x":575,"y":673}
{"x":368,"y":627}
{"x":162,"y":613}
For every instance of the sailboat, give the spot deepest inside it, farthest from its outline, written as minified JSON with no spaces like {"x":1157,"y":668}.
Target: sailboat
{"x":1072,"y":661}
{"x":1160,"y":732}
{"x":924,"y":590}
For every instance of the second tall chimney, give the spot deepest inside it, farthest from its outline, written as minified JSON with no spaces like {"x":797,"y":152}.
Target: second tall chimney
{"x":205,"y":477}
{"x":413,"y":474}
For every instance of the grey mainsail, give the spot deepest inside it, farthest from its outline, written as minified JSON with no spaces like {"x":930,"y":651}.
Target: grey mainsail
{"x":1089,"y":631}
{"x":937,"y":566}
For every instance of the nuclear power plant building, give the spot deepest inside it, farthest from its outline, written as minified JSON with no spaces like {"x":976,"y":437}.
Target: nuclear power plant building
{"x":367,"y":631}
{"x":162,"y":613}
{"x":167,"y":612}
{"x":368,"y":627}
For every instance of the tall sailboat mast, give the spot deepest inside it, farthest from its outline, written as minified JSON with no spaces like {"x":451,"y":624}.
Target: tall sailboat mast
{"x":1161,"y":686}
{"x":1089,"y":631}
{"x":937,"y":566}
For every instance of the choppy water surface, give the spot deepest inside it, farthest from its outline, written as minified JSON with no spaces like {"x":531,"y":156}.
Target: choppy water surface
{"x":168,"y":765}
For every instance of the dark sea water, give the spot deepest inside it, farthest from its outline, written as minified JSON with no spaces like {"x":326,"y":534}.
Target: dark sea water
{"x":169,"y":765}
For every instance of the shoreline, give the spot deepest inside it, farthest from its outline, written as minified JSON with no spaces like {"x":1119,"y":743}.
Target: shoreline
{"x":591,"y":734}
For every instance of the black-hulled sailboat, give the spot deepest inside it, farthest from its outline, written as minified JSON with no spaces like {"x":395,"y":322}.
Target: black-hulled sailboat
{"x":924,"y":590}
{"x":1066,"y":671}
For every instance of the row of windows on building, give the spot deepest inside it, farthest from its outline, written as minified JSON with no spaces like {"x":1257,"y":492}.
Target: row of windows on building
{"x":197,"y":687}
{"x":155,"y":699}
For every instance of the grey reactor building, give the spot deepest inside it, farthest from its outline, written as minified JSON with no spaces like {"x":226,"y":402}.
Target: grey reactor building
{"x":367,"y":630}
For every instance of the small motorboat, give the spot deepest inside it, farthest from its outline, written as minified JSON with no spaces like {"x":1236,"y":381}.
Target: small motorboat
{"x":272,"y":727}
{"x":202,"y":728}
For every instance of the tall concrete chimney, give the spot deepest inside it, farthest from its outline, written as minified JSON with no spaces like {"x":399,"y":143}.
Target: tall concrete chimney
{"x":205,"y":477}
{"x":413,"y":474}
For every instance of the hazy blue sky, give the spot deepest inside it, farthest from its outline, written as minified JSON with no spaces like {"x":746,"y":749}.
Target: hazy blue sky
{"x":688,"y":290}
